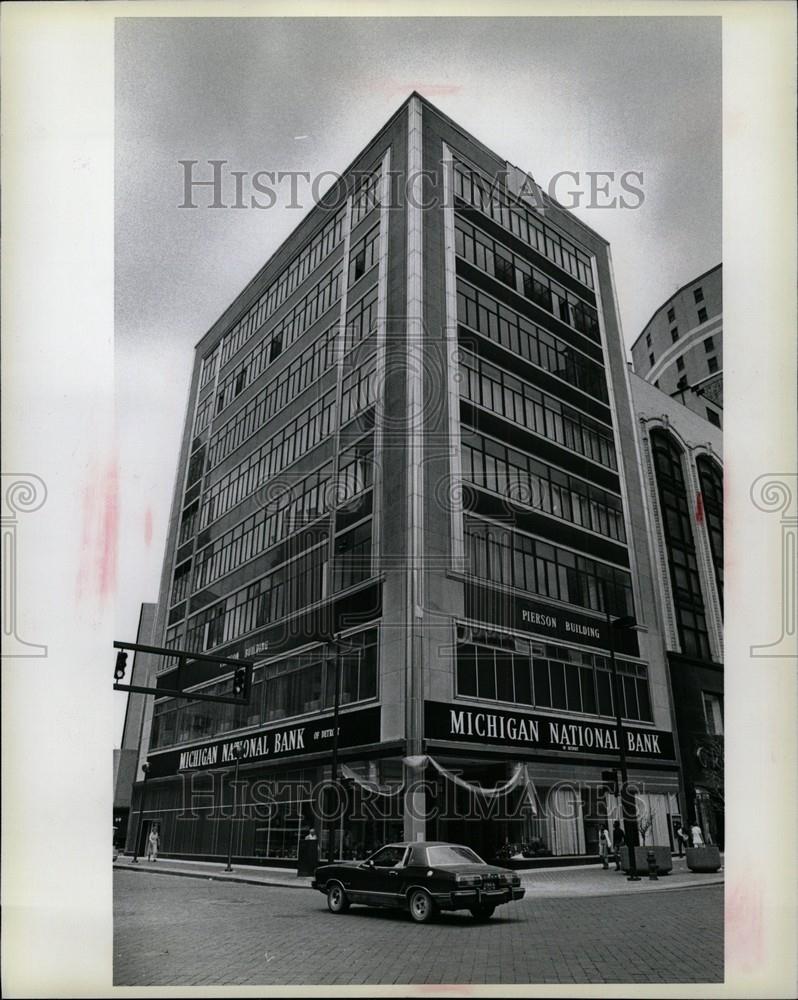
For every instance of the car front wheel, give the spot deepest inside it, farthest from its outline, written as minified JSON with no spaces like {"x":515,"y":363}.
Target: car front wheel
{"x":422,"y":908}
{"x":483,"y":912}
{"x":336,"y":899}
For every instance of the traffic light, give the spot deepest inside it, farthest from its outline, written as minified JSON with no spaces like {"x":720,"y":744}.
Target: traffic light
{"x":240,"y":681}
{"x":121,"y":665}
{"x":610,"y":778}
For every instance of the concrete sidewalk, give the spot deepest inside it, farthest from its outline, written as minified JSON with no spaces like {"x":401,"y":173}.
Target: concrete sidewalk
{"x":544,"y":883}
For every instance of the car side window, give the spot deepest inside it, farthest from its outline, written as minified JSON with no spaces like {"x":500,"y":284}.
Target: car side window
{"x":389,"y":857}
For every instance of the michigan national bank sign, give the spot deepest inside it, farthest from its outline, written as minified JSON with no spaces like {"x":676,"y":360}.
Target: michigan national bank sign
{"x":463,"y":724}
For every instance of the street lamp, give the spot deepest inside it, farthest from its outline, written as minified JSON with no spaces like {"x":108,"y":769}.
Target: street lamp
{"x":146,"y":770}
{"x":628,"y":805}
{"x":235,"y":750}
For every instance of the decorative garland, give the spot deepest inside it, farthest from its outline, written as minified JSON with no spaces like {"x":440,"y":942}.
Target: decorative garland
{"x":520,"y":778}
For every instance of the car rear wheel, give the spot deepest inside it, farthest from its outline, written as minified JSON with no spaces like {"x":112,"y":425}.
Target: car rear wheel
{"x":336,"y":899}
{"x":422,"y":908}
{"x":483,"y":912}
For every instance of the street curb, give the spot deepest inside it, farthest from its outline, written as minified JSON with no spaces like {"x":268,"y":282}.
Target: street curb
{"x":243,"y":879}
{"x":246,"y":880}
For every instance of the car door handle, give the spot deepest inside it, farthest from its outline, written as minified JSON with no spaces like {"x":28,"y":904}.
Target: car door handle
{"x":395,"y":874}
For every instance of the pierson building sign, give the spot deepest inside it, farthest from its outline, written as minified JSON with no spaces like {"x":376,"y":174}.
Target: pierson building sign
{"x":467,"y":724}
{"x":559,"y":623}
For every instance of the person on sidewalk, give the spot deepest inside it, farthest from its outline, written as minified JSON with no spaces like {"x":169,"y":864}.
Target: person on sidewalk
{"x":153,"y":843}
{"x":696,"y":835}
{"x":618,"y":840}
{"x":682,"y":839}
{"x":605,"y":847}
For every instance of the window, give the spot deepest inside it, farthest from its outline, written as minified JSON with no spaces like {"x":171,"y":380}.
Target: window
{"x":352,"y":557}
{"x":698,"y":294}
{"x":702,"y":315}
{"x":317,"y":301}
{"x":188,"y":522}
{"x":291,"y":381}
{"x":675,"y":334}
{"x":520,"y":335}
{"x":322,"y":244}
{"x":671,"y":315}
{"x":710,"y":476}
{"x":713,"y":712}
{"x":496,"y":389}
{"x":276,"y":347}
{"x":363,"y":255}
{"x":682,"y":383}
{"x":494,"y":259}
{"x":709,"y":344}
{"x":528,"y":482}
{"x":497,"y":667}
{"x":713,"y":417}
{"x":180,"y":585}
{"x":284,"y":447}
{"x":484,"y":195}
{"x":504,"y":270}
{"x":651,"y":360}
{"x":500,"y":555}
{"x":196,"y":466}
{"x":677,"y":516}
{"x":389,"y":857}
{"x":680,"y":363}
{"x":648,"y":340}
{"x":712,"y":365}
{"x":282,"y":592}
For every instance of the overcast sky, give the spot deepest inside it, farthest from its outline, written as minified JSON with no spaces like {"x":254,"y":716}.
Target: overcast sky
{"x":549,"y":94}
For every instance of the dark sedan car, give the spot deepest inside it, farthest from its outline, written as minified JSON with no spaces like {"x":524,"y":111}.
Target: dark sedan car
{"x":422,"y":877}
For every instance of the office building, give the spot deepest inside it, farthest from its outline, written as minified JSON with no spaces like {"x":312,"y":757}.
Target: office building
{"x":680,"y":350}
{"x":410,"y":457}
{"x":682,"y":467}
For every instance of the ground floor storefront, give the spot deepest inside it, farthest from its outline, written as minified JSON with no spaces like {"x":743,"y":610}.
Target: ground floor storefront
{"x":504,"y":806}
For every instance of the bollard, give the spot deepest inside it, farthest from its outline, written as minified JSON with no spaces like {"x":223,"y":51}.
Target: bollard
{"x":652,"y":866}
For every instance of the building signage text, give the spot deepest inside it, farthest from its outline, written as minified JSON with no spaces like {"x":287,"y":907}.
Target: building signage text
{"x":461,"y":723}
{"x":358,"y":728}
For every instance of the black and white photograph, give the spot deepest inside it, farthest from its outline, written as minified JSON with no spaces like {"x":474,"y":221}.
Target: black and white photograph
{"x":402,"y":492}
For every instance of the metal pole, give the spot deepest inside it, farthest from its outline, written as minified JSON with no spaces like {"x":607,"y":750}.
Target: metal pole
{"x":237,"y":752}
{"x":146,"y":769}
{"x":629,"y":820}
{"x":334,"y":779}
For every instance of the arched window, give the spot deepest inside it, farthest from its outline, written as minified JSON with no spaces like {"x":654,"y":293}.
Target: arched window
{"x":710,"y":477}
{"x":677,"y":509}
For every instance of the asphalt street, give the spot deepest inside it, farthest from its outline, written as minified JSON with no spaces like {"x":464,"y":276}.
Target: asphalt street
{"x":188,"y":931}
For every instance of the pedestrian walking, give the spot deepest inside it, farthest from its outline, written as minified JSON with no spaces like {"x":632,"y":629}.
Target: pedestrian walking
{"x":618,"y":840}
{"x":153,"y":843}
{"x":605,"y":847}
{"x":682,"y":839}
{"x":696,"y":835}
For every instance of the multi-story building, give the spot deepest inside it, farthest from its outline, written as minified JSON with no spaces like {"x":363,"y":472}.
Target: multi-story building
{"x":411,"y":440}
{"x":680,"y":350}
{"x":681,"y":459}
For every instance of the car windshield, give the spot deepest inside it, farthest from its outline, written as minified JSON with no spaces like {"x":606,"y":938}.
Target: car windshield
{"x":452,"y":854}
